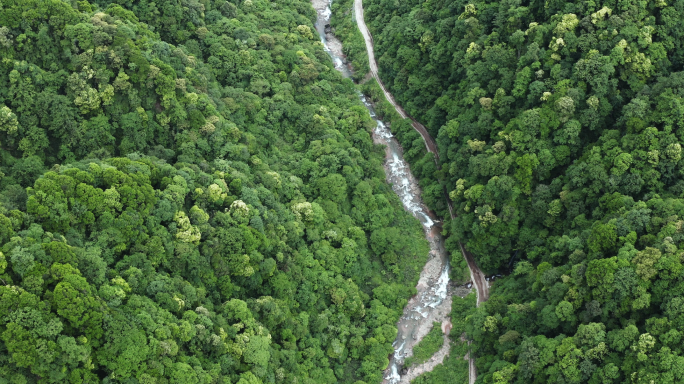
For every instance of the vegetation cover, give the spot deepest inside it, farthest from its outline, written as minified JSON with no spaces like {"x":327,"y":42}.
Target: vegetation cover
{"x":427,"y":347}
{"x":189,"y":194}
{"x":560,"y":134}
{"x":454,"y":368}
{"x":423,"y":166}
{"x":344,"y":27}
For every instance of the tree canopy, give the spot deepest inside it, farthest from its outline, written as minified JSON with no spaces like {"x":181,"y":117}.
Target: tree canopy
{"x":559,"y":133}
{"x":189,"y":193}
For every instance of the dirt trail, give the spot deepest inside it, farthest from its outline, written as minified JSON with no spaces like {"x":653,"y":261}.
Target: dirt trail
{"x":432,"y":302}
{"x":478,"y":278}
{"x":429,"y":142}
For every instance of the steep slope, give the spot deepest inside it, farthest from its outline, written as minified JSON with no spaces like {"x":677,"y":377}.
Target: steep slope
{"x":189,"y":194}
{"x":559,"y":130}
{"x":476,"y":276}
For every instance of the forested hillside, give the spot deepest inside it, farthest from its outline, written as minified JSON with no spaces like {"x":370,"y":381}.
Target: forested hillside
{"x":560,"y":132}
{"x":189,"y":194}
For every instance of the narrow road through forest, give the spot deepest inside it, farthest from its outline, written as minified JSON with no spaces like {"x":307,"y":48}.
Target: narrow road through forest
{"x":478,"y":278}
{"x":429,"y":141}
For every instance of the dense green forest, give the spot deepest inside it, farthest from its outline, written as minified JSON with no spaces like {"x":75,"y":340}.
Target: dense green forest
{"x":189,"y":194}
{"x":560,"y":132}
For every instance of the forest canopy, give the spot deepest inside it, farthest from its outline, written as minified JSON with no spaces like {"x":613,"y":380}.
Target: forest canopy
{"x":560,"y":134}
{"x":189,"y":193}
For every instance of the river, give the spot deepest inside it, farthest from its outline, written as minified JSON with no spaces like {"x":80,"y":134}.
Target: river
{"x":432,"y":303}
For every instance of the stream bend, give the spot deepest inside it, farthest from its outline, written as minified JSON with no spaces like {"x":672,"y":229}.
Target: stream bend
{"x":478,"y":278}
{"x":432,"y":303}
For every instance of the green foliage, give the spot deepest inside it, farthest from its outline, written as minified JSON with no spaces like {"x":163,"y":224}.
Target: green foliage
{"x":189,"y":193}
{"x":454,"y":368}
{"x":559,"y":144}
{"x":539,"y":95}
{"x":344,"y":28}
{"x":427,"y":347}
{"x":225,"y":294}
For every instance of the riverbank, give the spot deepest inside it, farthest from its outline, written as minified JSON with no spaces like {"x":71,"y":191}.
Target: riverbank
{"x":432,"y":302}
{"x":476,"y":275}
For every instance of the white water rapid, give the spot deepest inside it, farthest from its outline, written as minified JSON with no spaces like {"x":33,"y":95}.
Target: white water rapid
{"x":432,"y":303}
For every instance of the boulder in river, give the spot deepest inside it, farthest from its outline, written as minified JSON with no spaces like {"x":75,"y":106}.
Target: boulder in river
{"x":328,"y":28}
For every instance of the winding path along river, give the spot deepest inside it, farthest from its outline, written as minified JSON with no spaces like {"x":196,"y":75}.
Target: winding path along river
{"x":432,"y":303}
{"x":476,"y":275}
{"x":368,"y":38}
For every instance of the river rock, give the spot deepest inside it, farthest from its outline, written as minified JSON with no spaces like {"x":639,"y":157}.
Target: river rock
{"x":328,"y":28}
